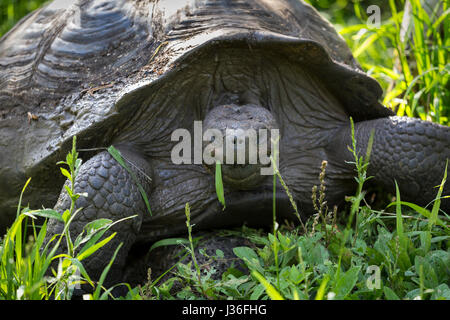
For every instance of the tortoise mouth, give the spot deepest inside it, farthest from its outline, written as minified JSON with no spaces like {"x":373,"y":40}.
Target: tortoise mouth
{"x":251,"y":207}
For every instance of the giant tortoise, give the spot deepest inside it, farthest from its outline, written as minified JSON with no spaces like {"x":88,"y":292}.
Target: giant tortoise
{"x":131,"y":73}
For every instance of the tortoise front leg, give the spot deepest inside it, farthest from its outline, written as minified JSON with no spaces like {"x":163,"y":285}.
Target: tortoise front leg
{"x":112,"y":194}
{"x":409,"y":151}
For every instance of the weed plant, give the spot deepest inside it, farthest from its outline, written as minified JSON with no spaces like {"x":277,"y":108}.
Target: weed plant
{"x":26,"y":261}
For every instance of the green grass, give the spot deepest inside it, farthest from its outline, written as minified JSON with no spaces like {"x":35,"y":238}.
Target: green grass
{"x":34,"y":269}
{"x":403,"y":248}
{"x":11,"y":11}
{"x":413,"y":66}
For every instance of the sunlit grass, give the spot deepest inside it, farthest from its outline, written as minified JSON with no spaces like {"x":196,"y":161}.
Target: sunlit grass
{"x":32,"y":268}
{"x":408,"y":55}
{"x":11,"y":11}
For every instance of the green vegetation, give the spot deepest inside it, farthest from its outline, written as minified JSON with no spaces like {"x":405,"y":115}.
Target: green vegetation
{"x":11,"y":11}
{"x":400,"y":251}
{"x":408,"y":54}
{"x":27,"y":263}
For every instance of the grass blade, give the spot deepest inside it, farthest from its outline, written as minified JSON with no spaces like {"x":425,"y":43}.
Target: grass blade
{"x":219,"y":184}
{"x":95,"y":247}
{"x":271,"y":291}
{"x":321,"y":292}
{"x":399,"y":219}
{"x":105,"y":273}
{"x":168,"y":242}
{"x":437,"y":202}
{"x":118,"y":157}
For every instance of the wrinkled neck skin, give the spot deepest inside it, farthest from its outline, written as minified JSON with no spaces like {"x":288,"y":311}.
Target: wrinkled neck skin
{"x":409,"y":151}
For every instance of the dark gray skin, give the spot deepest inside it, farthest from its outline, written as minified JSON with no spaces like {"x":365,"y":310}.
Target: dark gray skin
{"x":164,"y":71}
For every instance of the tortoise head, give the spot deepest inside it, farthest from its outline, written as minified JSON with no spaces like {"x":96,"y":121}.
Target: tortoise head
{"x":239,"y":136}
